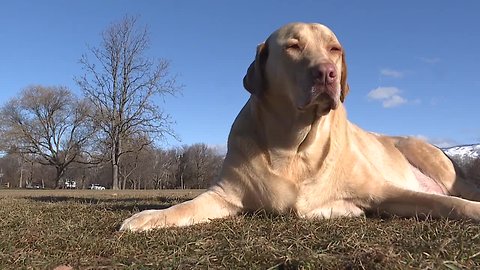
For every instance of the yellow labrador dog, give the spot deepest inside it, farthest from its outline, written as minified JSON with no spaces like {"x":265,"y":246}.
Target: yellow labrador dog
{"x":292,"y":149}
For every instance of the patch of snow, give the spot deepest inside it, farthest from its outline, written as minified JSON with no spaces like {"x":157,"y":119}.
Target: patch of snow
{"x":467,"y":151}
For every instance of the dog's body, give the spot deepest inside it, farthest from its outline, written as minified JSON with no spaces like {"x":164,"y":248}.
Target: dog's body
{"x":292,"y":149}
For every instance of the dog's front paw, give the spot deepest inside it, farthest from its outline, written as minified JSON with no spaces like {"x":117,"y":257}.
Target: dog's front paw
{"x":145,"y":220}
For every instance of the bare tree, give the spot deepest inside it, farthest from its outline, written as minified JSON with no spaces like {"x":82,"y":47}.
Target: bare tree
{"x":122,"y":82}
{"x":143,"y":163}
{"x":10,"y":165}
{"x":200,"y":165}
{"x":166,"y":167}
{"x":47,"y":125}
{"x":135,"y":166}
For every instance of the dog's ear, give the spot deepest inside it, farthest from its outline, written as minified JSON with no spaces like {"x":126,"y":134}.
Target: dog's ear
{"x":343,"y":79}
{"x":254,"y":81}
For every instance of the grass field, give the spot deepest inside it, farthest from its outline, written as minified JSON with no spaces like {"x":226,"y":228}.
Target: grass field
{"x":42,"y":229}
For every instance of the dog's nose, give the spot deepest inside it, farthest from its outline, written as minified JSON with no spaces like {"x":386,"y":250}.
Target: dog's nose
{"x":325,"y":73}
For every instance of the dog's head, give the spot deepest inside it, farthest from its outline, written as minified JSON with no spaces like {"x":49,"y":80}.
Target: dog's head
{"x":303,"y":64}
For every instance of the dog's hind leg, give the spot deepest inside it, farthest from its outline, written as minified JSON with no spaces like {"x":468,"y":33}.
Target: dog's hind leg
{"x":407,"y":203}
{"x":433,"y":163}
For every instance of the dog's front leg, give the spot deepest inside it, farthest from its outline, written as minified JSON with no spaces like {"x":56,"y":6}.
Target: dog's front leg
{"x":407,"y":203}
{"x":208,"y":205}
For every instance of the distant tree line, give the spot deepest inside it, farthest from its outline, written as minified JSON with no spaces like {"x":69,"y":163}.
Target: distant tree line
{"x":192,"y":166}
{"x":107,"y":136}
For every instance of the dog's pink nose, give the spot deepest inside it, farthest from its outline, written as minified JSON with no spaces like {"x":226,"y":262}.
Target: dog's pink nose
{"x":325,"y":73}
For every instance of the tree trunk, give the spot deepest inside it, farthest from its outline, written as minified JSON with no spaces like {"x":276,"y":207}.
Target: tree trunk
{"x":124,"y":182}
{"x":58,"y":176}
{"x":20,"y":184}
{"x":115,"y":162}
{"x":115,"y":183}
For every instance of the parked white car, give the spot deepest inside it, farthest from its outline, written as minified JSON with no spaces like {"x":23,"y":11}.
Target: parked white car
{"x":70,"y":184}
{"x":97,"y":187}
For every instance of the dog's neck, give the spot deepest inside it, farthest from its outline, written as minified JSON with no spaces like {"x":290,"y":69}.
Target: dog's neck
{"x":289,"y":132}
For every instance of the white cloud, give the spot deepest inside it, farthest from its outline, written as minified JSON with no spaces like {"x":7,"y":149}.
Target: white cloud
{"x":389,"y":96}
{"x":430,"y":60}
{"x":383,"y":92}
{"x":391,"y":73}
{"x":394,"y":101}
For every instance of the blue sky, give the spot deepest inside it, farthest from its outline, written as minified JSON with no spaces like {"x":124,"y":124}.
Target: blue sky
{"x":413,"y":65}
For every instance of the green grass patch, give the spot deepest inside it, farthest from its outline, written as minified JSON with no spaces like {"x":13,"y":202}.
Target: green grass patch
{"x":43,"y":229}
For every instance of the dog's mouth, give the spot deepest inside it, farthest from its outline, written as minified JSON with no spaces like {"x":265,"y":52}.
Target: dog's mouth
{"x":326,"y":97}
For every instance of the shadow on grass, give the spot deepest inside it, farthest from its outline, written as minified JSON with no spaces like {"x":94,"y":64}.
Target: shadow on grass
{"x":113,"y":204}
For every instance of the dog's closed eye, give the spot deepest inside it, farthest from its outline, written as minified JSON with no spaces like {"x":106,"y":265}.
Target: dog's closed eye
{"x":335,"y":49}
{"x":293,"y":45}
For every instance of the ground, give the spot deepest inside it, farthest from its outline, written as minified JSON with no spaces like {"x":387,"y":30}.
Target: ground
{"x":41,"y":229}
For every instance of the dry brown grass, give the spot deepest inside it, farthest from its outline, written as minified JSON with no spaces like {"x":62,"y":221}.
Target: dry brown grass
{"x":43,"y":229}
